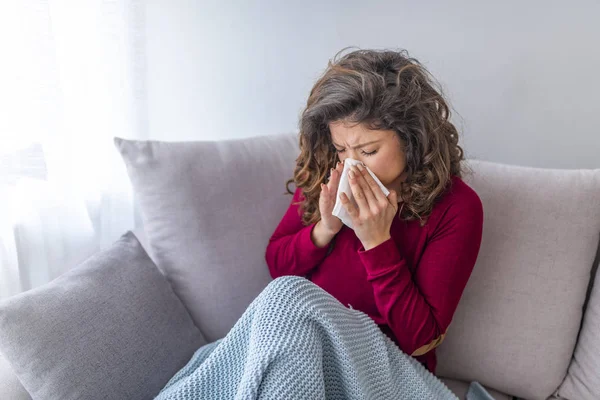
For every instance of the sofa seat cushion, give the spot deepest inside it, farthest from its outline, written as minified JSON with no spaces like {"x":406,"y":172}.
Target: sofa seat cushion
{"x":460,"y":388}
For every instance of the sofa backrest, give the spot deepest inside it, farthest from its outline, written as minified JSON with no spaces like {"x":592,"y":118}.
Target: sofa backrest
{"x":583,"y":378}
{"x":208,"y":210}
{"x":516,"y":325}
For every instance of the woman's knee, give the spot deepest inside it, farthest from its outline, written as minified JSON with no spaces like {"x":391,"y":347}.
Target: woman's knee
{"x":287,"y":290}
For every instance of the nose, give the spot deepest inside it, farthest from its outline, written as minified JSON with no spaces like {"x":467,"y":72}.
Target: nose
{"x":349,"y":154}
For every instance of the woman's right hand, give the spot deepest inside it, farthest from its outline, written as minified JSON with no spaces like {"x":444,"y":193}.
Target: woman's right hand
{"x":330,"y":223}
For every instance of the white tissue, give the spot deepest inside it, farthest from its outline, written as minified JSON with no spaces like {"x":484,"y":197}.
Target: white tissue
{"x":344,"y":187}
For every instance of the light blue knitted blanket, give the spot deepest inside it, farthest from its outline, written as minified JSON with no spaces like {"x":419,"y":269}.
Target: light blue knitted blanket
{"x":295,"y":341}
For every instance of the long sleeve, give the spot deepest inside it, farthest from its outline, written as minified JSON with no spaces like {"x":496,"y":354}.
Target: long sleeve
{"x":419,"y":306}
{"x":291,"y":250}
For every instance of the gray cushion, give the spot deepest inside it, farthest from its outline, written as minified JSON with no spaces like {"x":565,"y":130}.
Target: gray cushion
{"x":517,"y":322}
{"x":460,"y":389}
{"x":111,"y":328}
{"x":583,"y":379}
{"x":208,"y":210}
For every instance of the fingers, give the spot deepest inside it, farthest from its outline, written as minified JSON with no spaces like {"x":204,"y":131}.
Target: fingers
{"x":329,"y":190}
{"x":360,"y":189}
{"x":328,"y":195}
{"x":324,"y":192}
{"x":375,"y":189}
{"x":357,"y":191}
{"x":350,"y":208}
{"x":334,"y":180}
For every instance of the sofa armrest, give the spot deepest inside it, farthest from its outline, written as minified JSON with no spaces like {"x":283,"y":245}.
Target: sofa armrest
{"x":10,"y":386}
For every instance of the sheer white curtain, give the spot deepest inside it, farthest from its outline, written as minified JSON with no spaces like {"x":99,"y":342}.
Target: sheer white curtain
{"x":72,"y":76}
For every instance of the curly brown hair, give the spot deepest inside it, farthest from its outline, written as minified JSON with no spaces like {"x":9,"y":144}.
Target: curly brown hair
{"x":385,"y":90}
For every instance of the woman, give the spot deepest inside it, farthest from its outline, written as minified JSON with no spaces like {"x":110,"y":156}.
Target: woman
{"x":408,"y":259}
{"x":404,"y":265}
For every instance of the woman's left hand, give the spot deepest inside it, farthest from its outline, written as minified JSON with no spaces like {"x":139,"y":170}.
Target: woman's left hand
{"x":373,"y":213}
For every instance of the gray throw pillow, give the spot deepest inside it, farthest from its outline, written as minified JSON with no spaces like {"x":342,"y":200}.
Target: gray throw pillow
{"x":110,"y":328}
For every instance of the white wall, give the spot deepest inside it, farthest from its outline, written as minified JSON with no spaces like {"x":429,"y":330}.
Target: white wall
{"x":522,"y":74}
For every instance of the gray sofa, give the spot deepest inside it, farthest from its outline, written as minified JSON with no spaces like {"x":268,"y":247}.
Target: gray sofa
{"x":528,"y":324}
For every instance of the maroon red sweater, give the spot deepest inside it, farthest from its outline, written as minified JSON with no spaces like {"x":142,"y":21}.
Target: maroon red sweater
{"x":409,"y":285}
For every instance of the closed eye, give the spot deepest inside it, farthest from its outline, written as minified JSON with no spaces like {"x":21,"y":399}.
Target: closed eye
{"x":362,"y":152}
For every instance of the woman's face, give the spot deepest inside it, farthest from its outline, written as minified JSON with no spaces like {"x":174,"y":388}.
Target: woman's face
{"x":380,"y":150}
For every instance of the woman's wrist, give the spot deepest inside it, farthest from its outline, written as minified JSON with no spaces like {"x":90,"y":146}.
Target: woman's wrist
{"x":374,"y":243}
{"x":320,"y":235}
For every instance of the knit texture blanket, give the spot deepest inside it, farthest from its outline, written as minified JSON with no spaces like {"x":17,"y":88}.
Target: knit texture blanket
{"x":296,"y":341}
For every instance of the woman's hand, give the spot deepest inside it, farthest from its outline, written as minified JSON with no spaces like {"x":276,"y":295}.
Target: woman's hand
{"x":373,"y":213}
{"x":330,"y":223}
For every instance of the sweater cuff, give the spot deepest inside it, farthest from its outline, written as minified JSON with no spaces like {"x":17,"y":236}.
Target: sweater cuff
{"x":380,"y":259}
{"x":307,"y":246}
